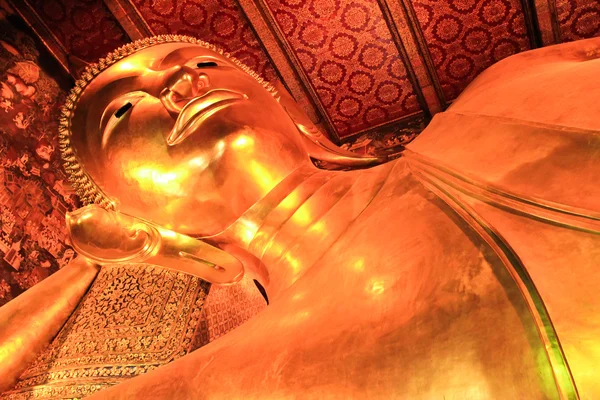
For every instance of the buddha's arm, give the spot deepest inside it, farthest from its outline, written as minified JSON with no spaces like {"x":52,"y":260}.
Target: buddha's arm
{"x":29,"y":322}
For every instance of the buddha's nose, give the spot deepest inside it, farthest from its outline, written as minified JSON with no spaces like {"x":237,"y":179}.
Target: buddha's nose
{"x":182,"y":84}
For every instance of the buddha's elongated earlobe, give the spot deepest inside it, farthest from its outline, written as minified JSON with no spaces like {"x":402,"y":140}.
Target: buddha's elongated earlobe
{"x":319,"y":147}
{"x":108,"y":237}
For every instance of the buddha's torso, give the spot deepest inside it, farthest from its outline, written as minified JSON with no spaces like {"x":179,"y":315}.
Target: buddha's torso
{"x":395,"y":288}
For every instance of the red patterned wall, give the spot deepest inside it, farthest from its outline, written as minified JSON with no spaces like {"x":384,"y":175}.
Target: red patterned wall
{"x":220,"y":22}
{"x":86,"y":28}
{"x":465,"y":37}
{"x":578,"y":19}
{"x":346,"y":50}
{"x":226,"y":308}
{"x":34,"y":192}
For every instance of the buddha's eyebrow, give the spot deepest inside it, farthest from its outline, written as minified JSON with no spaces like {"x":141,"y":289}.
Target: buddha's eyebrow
{"x":182,"y":56}
{"x":198,"y":62}
{"x":116,"y":110}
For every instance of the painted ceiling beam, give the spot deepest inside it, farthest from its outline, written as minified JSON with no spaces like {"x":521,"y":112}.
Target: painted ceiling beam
{"x":405,"y":18}
{"x":421,"y":72}
{"x":129,"y":18}
{"x":547,"y":21}
{"x":532,"y":23}
{"x":285,"y":61}
{"x":279,"y":58}
{"x":45,"y":35}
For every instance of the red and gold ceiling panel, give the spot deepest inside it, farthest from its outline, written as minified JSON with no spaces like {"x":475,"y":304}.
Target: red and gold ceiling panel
{"x":464,"y":37}
{"x":220,"y":22}
{"x":578,"y":19}
{"x":356,"y":66}
{"x":345,"y":49}
{"x":86,"y":28}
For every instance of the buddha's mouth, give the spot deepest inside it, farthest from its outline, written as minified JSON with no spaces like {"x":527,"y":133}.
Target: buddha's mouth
{"x":198,"y":110}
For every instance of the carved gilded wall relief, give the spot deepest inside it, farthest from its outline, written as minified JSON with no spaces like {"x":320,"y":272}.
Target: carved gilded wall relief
{"x":34,"y":192}
{"x":135,"y":318}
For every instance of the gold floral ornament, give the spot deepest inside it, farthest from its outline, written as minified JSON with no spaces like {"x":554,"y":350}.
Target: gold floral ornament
{"x":27,"y":70}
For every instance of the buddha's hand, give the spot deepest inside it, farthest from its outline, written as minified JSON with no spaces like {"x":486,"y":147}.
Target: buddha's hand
{"x":108,"y":237}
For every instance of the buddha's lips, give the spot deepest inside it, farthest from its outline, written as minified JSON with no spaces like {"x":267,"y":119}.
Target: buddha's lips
{"x":197,"y":110}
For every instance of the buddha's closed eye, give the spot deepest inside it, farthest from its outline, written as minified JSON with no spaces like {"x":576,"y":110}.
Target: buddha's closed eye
{"x":206,"y":64}
{"x":121,"y":111}
{"x":116,"y":111}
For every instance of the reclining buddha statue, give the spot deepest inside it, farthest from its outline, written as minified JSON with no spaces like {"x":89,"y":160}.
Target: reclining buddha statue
{"x":468,"y":267}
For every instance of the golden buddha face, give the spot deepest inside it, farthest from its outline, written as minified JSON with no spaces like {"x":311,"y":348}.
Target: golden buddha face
{"x":181,"y":135}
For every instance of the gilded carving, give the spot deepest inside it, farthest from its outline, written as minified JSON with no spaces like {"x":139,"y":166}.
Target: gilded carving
{"x":134,"y":318}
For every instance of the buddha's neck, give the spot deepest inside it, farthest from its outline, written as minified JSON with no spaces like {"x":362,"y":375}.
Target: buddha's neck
{"x":291,"y":228}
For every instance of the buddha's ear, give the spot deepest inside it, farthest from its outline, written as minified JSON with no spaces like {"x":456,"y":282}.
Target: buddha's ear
{"x":319,"y":147}
{"x":109,"y":237}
